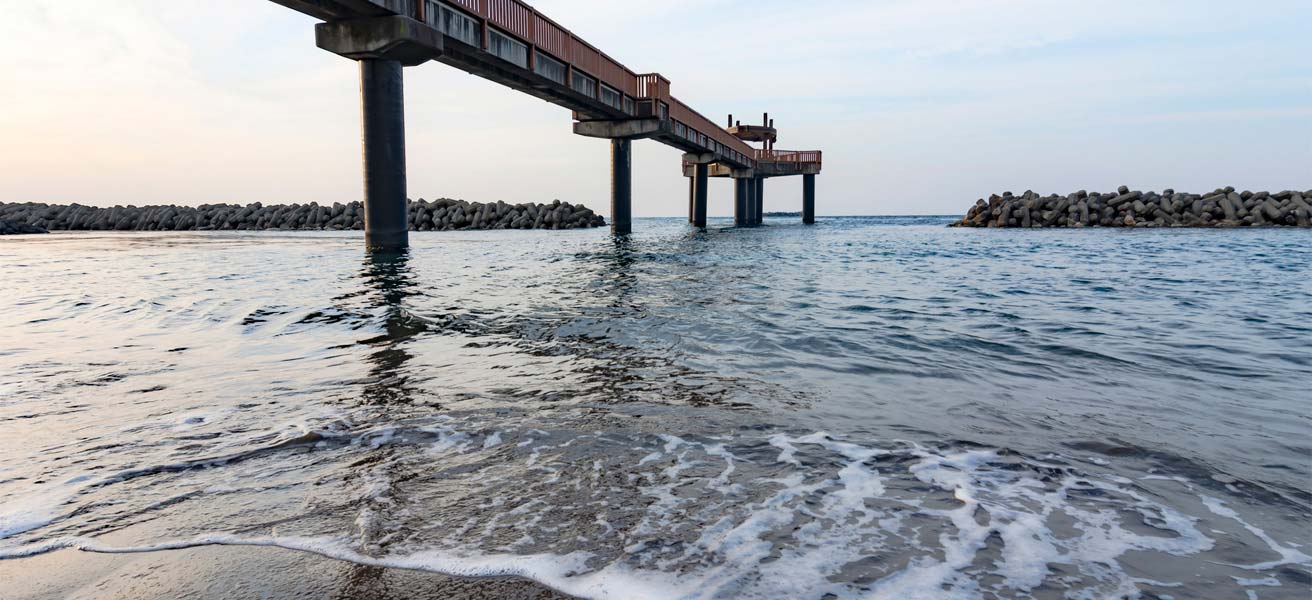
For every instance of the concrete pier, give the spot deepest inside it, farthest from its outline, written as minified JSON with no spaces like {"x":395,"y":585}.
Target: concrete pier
{"x":511,"y":44}
{"x":740,"y":202}
{"x":692,"y":195}
{"x":699,"y":199}
{"x":808,"y":199}
{"x":758,"y":206}
{"x":621,"y":186}
{"x":749,"y":201}
{"x":382,"y":99}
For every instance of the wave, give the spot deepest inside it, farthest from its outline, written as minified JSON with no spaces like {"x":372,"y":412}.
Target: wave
{"x":776,"y":515}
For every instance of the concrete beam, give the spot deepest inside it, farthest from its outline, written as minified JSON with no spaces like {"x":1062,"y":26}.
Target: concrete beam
{"x":628,"y":129}
{"x":700,"y":159}
{"x":395,"y":38}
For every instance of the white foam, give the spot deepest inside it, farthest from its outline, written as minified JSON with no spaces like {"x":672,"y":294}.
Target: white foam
{"x":33,"y":510}
{"x":565,"y":573}
{"x":796,"y":533}
{"x":1264,"y":582}
{"x":1288,"y":555}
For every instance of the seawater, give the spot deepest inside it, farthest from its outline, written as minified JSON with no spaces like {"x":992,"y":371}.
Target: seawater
{"x":865,"y":408}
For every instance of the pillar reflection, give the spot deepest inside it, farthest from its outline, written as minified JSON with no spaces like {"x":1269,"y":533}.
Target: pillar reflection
{"x":389,"y":281}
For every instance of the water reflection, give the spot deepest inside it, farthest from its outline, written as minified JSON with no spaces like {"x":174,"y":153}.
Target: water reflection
{"x":389,"y":281}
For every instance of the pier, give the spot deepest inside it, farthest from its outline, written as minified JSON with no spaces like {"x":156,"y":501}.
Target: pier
{"x":510,"y":43}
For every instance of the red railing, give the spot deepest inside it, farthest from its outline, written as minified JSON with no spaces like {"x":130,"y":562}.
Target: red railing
{"x":789,"y":156}
{"x":551,"y":38}
{"x":535,"y":30}
{"x":652,"y":85}
{"x":473,"y":6}
{"x":511,"y":16}
{"x":684,"y":114}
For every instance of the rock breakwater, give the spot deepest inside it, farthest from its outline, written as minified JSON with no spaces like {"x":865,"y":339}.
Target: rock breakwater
{"x":12,"y":228}
{"x":423,"y":215}
{"x":1126,"y":208}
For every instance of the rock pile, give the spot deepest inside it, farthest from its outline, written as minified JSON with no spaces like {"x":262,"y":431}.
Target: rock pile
{"x":1125,"y":208}
{"x":12,"y":228}
{"x":438,"y":215}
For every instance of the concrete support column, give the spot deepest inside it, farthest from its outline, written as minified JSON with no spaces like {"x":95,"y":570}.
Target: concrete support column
{"x":749,"y":210}
{"x":692,"y":195}
{"x":621,"y":186}
{"x":759,"y":203}
{"x":808,"y":199}
{"x":740,"y":205}
{"x":382,"y":100}
{"x":699,"y":201}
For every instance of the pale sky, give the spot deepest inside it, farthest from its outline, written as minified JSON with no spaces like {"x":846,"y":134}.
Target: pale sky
{"x":921,"y":106}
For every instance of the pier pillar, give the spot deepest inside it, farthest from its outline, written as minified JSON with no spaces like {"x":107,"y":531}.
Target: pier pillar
{"x":692,"y":195}
{"x":740,"y":213}
{"x":382,"y":100}
{"x":808,"y":199}
{"x":621,"y":186}
{"x":699,"y":200}
{"x":759,"y":202}
{"x":749,"y":210}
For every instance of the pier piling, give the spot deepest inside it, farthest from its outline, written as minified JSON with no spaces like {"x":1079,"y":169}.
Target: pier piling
{"x":692,"y":197}
{"x":699,"y":200}
{"x":621,"y":186}
{"x":758,"y":204}
{"x":808,"y":199}
{"x":382,"y":97}
{"x":740,"y":215}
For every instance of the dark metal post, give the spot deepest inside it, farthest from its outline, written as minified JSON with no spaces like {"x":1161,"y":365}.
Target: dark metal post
{"x":382,"y":97}
{"x":621,"y":186}
{"x":808,"y":199}
{"x":699,"y":202}
{"x":740,"y":214}
{"x":759,"y":203}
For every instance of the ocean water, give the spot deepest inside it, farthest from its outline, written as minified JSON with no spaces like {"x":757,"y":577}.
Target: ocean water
{"x":866,"y":408}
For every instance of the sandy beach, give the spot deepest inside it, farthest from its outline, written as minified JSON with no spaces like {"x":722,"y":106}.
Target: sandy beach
{"x":236,"y":573}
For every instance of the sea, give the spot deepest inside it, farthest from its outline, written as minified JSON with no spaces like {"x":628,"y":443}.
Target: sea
{"x":880,"y":408}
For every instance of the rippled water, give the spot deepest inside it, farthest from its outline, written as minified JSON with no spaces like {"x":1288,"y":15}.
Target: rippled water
{"x":879,"y":408}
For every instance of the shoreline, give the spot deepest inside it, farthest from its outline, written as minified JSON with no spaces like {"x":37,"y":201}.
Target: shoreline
{"x":240,"y":572}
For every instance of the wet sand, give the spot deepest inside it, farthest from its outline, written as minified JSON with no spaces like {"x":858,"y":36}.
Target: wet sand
{"x":237,"y":573}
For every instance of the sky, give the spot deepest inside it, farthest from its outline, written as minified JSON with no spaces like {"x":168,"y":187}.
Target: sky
{"x":920,"y":106}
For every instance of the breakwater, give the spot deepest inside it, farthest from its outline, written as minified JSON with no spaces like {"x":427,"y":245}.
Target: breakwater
{"x":12,"y":228}
{"x":423,"y":215}
{"x":1127,"y":208}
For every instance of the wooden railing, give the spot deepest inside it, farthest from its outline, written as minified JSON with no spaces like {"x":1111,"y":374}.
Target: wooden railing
{"x":653,"y":85}
{"x":684,"y":114}
{"x":520,"y":21}
{"x":550,"y":37}
{"x":789,"y":156}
